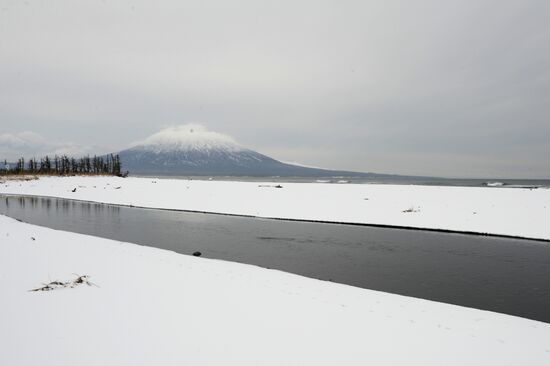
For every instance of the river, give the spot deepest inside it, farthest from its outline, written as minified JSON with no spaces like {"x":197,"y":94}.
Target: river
{"x":505,"y":275}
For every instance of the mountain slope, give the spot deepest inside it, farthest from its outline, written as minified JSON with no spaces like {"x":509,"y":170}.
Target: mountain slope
{"x":193,"y":150}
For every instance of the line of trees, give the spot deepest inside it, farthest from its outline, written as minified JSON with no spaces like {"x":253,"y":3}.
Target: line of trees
{"x":63,"y":165}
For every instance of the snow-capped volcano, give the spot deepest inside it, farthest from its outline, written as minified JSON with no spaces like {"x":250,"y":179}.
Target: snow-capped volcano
{"x":191,"y":149}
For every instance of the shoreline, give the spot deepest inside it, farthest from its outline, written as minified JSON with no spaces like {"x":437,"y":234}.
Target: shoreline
{"x":382,"y":226}
{"x":501,"y":212}
{"x":226,"y":312}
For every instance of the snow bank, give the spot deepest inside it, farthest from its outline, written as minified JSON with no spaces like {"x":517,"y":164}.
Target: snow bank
{"x":155,"y":307}
{"x":503,"y":211}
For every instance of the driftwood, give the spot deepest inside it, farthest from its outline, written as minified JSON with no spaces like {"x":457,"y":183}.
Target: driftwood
{"x":55,"y":285}
{"x":270,"y":186}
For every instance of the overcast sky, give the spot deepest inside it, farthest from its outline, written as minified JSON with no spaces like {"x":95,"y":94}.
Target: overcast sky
{"x":443,"y":88}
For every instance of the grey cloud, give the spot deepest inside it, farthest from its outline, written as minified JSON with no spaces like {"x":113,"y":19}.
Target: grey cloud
{"x":434,"y":88}
{"x":30,"y":144}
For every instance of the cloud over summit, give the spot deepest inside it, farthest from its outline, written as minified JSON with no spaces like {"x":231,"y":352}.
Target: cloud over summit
{"x":191,"y":134}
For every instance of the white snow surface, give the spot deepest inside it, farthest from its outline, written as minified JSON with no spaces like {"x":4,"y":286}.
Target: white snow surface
{"x":503,"y":211}
{"x":188,"y":137}
{"x":156,"y":307}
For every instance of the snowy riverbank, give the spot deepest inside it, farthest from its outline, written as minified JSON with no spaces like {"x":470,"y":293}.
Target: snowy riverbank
{"x":502,"y":211}
{"x":158,"y":307}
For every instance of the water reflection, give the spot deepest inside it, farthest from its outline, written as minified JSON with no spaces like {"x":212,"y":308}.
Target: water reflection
{"x":46,"y":203}
{"x":13,"y":205}
{"x":504,"y":275}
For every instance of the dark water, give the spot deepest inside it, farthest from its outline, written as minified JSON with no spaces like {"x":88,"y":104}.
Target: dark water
{"x":504,"y":275}
{"x":404,"y":180}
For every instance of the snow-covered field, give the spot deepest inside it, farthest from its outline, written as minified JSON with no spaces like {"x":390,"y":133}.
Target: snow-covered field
{"x":503,"y":211}
{"x":155,"y":307}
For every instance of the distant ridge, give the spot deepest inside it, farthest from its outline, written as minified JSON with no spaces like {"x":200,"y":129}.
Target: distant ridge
{"x":193,"y":150}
